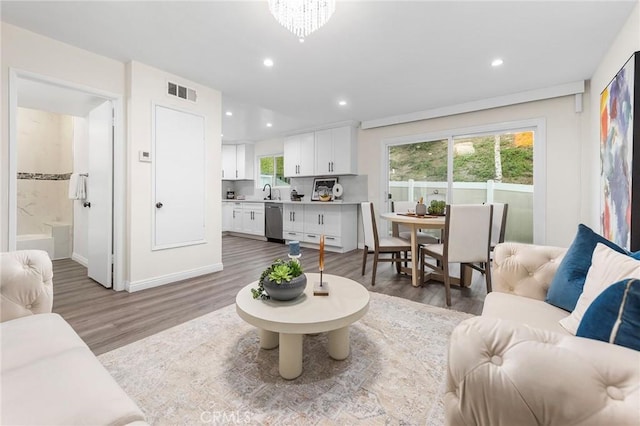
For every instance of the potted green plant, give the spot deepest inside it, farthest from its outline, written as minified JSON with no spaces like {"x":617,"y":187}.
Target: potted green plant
{"x":437,"y":207}
{"x":282,"y":280}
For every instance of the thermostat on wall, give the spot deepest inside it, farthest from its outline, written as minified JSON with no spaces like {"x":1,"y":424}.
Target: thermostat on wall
{"x":144,"y":156}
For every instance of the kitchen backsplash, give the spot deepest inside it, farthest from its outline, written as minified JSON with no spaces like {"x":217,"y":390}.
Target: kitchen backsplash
{"x":355,"y":188}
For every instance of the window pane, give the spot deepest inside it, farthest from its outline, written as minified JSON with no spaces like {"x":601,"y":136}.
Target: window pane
{"x":280,"y":179}
{"x":266,"y":166}
{"x":272,"y":171}
{"x":506,"y":158}
{"x":418,"y":170}
{"x":266,"y":171}
{"x":497,"y":168}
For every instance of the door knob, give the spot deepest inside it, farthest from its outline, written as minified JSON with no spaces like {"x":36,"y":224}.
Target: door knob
{"x":86,"y":204}
{"x":159,"y":205}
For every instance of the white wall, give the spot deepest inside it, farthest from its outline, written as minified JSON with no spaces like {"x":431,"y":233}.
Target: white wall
{"x":27,"y":51}
{"x":147,"y":268}
{"x":269,"y":147}
{"x":250,"y":188}
{"x":626,"y":42}
{"x":564,"y":130}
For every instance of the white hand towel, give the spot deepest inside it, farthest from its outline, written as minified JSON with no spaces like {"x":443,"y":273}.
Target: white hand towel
{"x":81,"y":192}
{"x":73,"y":186}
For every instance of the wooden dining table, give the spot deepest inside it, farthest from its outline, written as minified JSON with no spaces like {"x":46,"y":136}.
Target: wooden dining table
{"x":415,"y":223}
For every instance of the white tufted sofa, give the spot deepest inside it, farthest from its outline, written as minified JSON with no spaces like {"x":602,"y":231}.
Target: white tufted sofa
{"x":48,"y":374}
{"x":515,"y":365}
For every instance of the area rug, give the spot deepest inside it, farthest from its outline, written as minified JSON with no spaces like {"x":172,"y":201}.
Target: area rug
{"x":211,"y":371}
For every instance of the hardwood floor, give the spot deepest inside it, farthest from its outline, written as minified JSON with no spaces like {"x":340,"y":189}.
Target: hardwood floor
{"x":106,"y":319}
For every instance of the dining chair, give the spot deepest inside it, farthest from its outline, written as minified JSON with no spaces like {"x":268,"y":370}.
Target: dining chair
{"x":403,"y":231}
{"x":467,"y":240}
{"x":498,"y":223}
{"x":376,"y":245}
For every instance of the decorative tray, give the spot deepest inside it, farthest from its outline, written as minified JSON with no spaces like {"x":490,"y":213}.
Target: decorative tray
{"x":426,"y":216}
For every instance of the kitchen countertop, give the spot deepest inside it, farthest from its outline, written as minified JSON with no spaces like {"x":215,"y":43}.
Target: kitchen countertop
{"x":293,"y":202}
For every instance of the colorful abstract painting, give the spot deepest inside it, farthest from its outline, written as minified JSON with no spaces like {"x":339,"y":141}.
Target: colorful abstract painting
{"x":617,"y":114}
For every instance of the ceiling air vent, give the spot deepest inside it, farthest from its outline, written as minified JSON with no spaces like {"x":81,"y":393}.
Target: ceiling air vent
{"x":181,"y":92}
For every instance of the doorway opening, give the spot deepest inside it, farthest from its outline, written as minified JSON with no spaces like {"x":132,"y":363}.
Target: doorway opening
{"x":62,"y":197}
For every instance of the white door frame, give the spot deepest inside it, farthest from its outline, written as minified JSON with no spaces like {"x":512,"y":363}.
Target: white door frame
{"x":119,"y":162}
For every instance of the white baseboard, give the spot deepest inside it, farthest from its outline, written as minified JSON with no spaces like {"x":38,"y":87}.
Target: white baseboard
{"x":171,"y":278}
{"x":80,"y":259}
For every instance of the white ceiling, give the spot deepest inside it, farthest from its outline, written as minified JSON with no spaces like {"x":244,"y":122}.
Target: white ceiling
{"x":49,"y":97}
{"x":386,"y":58}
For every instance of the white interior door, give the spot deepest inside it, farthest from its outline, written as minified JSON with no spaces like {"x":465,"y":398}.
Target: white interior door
{"x":99,"y":200}
{"x":179,"y":177}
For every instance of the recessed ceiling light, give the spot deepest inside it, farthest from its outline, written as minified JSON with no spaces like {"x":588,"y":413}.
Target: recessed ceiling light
{"x":228,"y":113}
{"x":497,"y":62}
{"x":301,"y":40}
{"x":221,"y":134}
{"x":342,"y":103}
{"x":268,"y":62}
{"x":269,"y":124}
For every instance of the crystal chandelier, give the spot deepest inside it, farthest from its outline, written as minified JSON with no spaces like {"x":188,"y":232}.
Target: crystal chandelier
{"x":302,"y":17}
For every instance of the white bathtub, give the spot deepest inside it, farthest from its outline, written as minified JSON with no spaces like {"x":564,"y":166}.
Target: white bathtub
{"x":35,"y":242}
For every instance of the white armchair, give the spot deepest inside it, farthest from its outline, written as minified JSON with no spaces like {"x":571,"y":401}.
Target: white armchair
{"x":515,"y":365}
{"x":26,"y":287}
{"x":48,"y":375}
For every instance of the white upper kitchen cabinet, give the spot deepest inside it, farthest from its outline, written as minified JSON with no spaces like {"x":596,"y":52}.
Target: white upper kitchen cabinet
{"x":298,"y":155}
{"x":237,"y":162}
{"x":244,"y":161}
{"x":336,"y":151}
{"x":228,"y":162}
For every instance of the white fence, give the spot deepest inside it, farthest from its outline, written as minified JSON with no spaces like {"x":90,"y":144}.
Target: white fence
{"x":519,"y":197}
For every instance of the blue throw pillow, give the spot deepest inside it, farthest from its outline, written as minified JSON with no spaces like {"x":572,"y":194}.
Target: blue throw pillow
{"x":567,"y":283}
{"x":614,"y":316}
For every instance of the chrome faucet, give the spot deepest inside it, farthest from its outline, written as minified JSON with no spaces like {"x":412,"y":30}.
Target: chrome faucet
{"x":264,"y":188}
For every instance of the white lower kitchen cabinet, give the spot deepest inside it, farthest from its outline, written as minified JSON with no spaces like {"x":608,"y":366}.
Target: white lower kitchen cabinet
{"x":253,"y":219}
{"x":293,"y":218}
{"x":227,"y":216}
{"x":338,"y":223}
{"x":236,"y":217}
{"x":304,"y":222}
{"x":247,"y":218}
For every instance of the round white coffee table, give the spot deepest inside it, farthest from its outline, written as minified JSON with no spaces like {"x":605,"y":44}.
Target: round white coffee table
{"x":285,"y":323}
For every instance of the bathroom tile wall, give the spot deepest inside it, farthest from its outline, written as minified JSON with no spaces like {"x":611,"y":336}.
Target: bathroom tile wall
{"x":45,"y":162}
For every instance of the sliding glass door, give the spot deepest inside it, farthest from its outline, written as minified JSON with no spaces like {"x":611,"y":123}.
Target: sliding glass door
{"x":492,"y":166}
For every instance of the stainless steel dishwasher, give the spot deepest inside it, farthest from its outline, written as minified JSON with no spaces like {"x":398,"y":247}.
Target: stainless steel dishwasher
{"x":273,"y":221}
